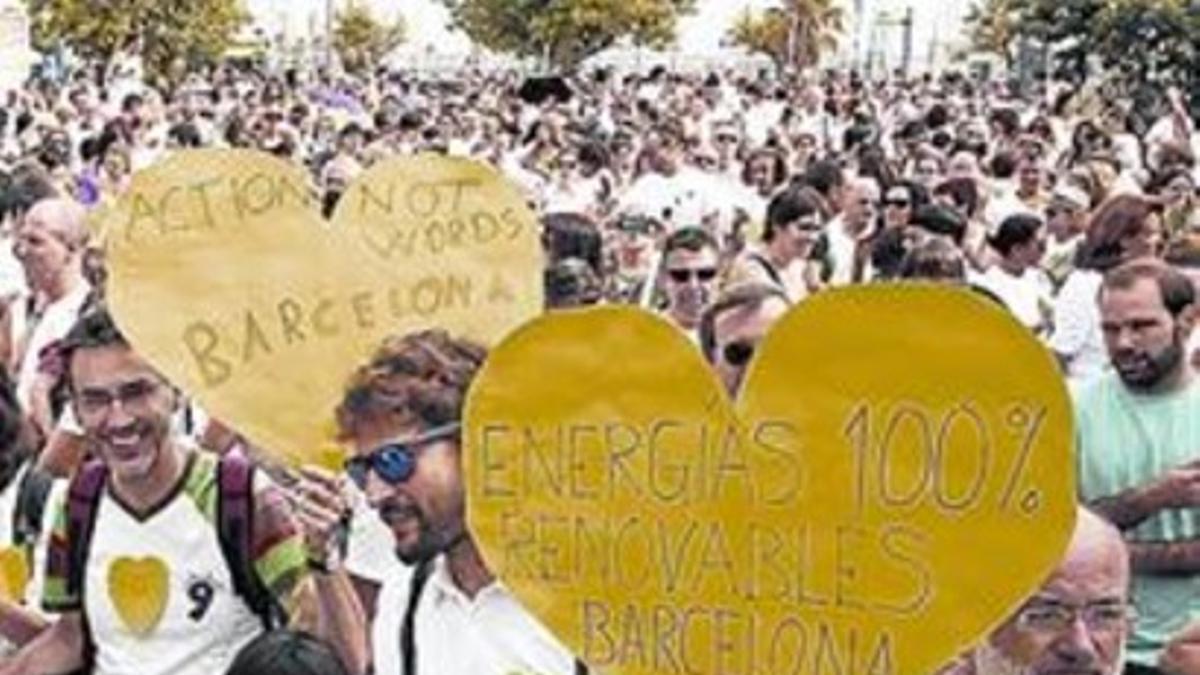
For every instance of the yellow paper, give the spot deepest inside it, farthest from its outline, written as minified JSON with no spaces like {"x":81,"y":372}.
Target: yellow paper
{"x":14,"y":574}
{"x":895,"y":480}
{"x":138,"y":590}
{"x":224,"y":277}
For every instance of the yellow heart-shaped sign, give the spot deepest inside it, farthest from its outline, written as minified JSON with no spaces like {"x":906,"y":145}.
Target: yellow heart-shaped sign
{"x":895,"y":479}
{"x":224,"y":277}
{"x":138,"y":590}
{"x":14,"y":574}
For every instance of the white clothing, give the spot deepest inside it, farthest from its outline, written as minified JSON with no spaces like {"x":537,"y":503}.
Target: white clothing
{"x":490,"y":634}
{"x":55,"y":323}
{"x":685,"y":199}
{"x":1025,"y":296}
{"x":1077,"y":333}
{"x":194,"y":636}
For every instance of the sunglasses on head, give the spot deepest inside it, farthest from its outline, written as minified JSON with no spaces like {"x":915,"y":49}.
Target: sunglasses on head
{"x":739,"y":352}
{"x":682,"y":276}
{"x":395,"y":462}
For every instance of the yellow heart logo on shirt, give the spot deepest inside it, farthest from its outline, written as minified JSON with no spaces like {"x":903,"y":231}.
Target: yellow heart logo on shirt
{"x":225,"y":277}
{"x":895,"y":479}
{"x":138,"y":588}
{"x":14,"y":574}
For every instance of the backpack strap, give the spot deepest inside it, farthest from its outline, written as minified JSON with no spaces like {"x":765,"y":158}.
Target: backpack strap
{"x":32,"y":493}
{"x":83,"y":501}
{"x":235,"y":531}
{"x":83,"y":498}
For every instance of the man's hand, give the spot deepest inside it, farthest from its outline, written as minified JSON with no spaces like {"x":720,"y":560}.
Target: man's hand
{"x":1178,"y":488}
{"x":1182,"y":654}
{"x":321,"y":508}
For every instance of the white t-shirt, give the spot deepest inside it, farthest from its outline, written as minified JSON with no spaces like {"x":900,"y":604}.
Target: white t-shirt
{"x":53,"y":326}
{"x":1025,"y":296}
{"x":491,"y":634}
{"x":1077,"y":333}
{"x":842,"y":247}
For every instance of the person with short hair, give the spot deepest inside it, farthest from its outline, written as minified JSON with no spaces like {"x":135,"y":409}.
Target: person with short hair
{"x":151,"y":504}
{"x":1077,"y":622}
{"x":691,"y":273}
{"x":445,"y":613}
{"x":1017,"y":279}
{"x":1138,"y":433}
{"x":793,"y":228}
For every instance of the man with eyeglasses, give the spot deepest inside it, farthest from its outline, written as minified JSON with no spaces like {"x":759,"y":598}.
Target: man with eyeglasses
{"x":1076,"y":622}
{"x":444,"y":613}
{"x":732,"y":328}
{"x":690,"y":272}
{"x":140,"y":565}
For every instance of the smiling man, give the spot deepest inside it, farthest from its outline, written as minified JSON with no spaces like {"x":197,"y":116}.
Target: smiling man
{"x":447,"y":614}
{"x":143,"y":564}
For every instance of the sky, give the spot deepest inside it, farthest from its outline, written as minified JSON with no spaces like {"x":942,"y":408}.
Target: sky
{"x":701,"y":33}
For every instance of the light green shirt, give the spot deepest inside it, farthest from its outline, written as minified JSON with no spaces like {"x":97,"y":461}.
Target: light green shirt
{"x":1125,"y":441}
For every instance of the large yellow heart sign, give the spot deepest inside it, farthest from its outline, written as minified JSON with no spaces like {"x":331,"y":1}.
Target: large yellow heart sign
{"x":896,"y":478}
{"x":224,"y":276}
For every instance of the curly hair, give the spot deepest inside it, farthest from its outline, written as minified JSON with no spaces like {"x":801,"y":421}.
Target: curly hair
{"x":422,"y":377}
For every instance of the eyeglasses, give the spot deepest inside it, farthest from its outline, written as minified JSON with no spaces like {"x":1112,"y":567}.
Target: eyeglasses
{"x":739,"y":352}
{"x":1051,"y":618}
{"x":898,"y":203}
{"x":395,"y":462}
{"x":682,"y":276}
{"x":133,"y":396}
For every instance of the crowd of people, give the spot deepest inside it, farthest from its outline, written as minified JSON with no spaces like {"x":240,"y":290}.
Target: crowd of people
{"x":719,"y":201}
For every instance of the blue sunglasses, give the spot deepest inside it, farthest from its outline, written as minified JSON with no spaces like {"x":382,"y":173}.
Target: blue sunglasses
{"x":395,"y":462}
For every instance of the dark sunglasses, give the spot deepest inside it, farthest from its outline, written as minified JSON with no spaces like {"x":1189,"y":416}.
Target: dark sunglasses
{"x":395,"y":462}
{"x":739,"y":353}
{"x":898,"y":203}
{"x":682,"y":276}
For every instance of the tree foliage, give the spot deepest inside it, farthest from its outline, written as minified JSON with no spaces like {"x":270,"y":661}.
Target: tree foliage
{"x":196,"y":30}
{"x":565,"y":32}
{"x":362,"y":40}
{"x":797,"y":35}
{"x":992,"y":27}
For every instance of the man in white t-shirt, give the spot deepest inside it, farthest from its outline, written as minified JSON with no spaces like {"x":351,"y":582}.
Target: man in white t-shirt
{"x":1020,"y":242}
{"x":446,"y":613}
{"x":50,"y":244}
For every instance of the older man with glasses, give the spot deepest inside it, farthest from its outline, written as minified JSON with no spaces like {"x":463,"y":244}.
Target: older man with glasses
{"x":1077,"y":622}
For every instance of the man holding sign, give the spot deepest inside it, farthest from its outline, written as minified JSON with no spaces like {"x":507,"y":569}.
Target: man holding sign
{"x":448,"y":615}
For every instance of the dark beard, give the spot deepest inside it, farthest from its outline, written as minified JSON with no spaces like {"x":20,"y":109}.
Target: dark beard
{"x":1162,"y":365}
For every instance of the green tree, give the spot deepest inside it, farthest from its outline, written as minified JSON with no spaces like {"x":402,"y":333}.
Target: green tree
{"x":763,"y":33}
{"x":797,"y":35}
{"x":192,"y":31}
{"x":565,"y":32}
{"x":362,"y":40}
{"x":992,"y":27}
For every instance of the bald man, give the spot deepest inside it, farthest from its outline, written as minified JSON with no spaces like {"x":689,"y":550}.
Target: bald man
{"x":50,"y":245}
{"x":1076,"y":623}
